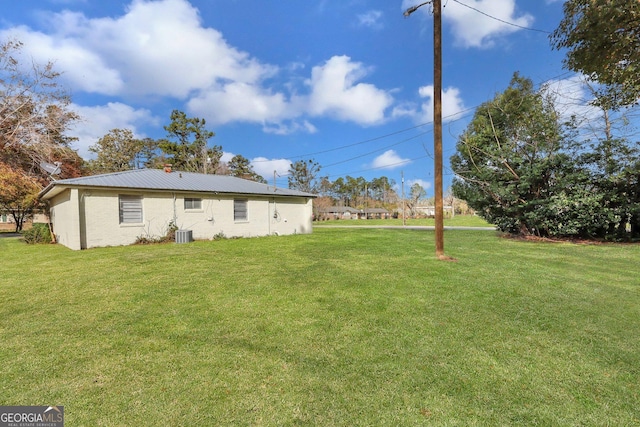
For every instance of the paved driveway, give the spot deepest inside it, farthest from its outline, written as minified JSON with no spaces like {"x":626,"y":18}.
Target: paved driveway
{"x":10,"y":235}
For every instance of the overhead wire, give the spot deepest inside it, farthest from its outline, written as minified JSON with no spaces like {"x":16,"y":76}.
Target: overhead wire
{"x":458,"y":117}
{"x":501,"y":20}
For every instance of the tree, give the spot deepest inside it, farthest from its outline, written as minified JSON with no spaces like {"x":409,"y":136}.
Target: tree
{"x":34,"y":113}
{"x":509,"y":157}
{"x":339,"y":190}
{"x":382,"y":190}
{"x":320,"y":206}
{"x":19,"y":195}
{"x":147,"y":156}
{"x":325,"y":187}
{"x":187,"y":145}
{"x":119,"y":150}
{"x":603,"y":42}
{"x":523,"y":170}
{"x":239,"y":166}
{"x":303,"y":174}
{"x":606,"y":181}
{"x":416,"y":193}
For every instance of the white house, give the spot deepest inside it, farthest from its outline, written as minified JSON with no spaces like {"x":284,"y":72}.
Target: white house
{"x":117,"y":208}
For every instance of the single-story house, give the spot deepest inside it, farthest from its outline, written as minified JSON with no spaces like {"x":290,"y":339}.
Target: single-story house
{"x":338,"y":212}
{"x":118,"y":208}
{"x":8,"y":223}
{"x":430,"y":211}
{"x":375,"y":213}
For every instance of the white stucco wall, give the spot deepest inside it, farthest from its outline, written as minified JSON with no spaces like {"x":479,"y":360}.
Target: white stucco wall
{"x":97,"y":217}
{"x":65,"y":215}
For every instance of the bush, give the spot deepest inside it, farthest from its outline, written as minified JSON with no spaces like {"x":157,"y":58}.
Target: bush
{"x":39,"y":233}
{"x":169,"y":236}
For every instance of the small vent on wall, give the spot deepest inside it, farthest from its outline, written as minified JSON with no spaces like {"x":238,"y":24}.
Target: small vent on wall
{"x":184,"y":236}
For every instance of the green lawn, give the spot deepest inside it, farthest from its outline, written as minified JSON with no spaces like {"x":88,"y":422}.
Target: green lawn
{"x":355,"y":327}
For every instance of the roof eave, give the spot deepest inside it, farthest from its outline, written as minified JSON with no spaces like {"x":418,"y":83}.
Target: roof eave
{"x":54,"y":188}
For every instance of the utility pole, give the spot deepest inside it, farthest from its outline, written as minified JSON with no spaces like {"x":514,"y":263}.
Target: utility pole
{"x":437,"y":119}
{"x":404,"y":221}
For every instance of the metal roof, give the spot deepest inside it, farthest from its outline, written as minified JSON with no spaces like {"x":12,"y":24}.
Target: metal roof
{"x":159,"y":180}
{"x":338,"y":209}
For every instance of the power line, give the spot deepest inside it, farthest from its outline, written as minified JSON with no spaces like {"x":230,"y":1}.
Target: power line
{"x":355,"y":143}
{"x":501,"y":20}
{"x":458,"y":117}
{"x":403,"y":162}
{"x":376,"y":151}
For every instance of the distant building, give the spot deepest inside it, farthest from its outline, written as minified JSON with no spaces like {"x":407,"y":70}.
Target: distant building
{"x":375,"y":213}
{"x":430,"y":211}
{"x":338,"y":212}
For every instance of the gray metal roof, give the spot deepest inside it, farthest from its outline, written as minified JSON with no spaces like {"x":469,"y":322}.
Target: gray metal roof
{"x":376,"y":210}
{"x":338,"y":209}
{"x":159,"y":180}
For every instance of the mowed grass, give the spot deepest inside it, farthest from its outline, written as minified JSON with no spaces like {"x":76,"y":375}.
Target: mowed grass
{"x":348,"y":327}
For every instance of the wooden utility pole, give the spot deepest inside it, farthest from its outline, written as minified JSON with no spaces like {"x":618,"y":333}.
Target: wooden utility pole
{"x":437,"y":119}
{"x":404,"y":221}
{"x":437,"y":124}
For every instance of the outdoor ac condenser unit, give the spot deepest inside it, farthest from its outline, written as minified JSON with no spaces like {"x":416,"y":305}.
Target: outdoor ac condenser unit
{"x":184,"y":236}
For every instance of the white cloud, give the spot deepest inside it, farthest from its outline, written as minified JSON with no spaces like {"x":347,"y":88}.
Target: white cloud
{"x":98,"y":121}
{"x":335,"y":93}
{"x":155,"y":48}
{"x":370,"y":19}
{"x":238,"y":101}
{"x":471,"y":27}
{"x":226,"y":156}
{"x":158,"y":49}
{"x":82,"y":69}
{"x":424,"y":184}
{"x":389,"y":160}
{"x":287,"y":129}
{"x":452,"y":106}
{"x":265,"y":167}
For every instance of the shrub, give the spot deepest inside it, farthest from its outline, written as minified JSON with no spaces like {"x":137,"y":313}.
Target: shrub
{"x":39,"y":233}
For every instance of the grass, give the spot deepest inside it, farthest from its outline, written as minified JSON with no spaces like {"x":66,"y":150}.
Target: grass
{"x":352,"y":327}
{"x":457,"y":221}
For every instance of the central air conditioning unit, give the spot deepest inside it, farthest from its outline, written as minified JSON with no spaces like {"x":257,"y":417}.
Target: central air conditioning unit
{"x":184,"y":236}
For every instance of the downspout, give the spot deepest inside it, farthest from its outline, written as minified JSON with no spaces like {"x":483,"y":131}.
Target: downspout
{"x":175,"y":214}
{"x":269,"y":216}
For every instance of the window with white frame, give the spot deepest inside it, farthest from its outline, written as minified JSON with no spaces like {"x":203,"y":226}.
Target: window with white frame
{"x":192,"y":204}
{"x":240,"y":210}
{"x":130,"y":209}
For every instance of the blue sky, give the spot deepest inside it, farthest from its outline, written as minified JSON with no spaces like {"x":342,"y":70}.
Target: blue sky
{"x":348,"y":83}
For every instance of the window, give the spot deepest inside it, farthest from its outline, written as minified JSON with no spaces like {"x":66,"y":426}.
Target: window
{"x":130,"y":209}
{"x":240,"y":211}
{"x":191,"y":204}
